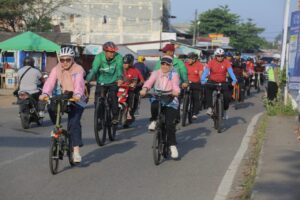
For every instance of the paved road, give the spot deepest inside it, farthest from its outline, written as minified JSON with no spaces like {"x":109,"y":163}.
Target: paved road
{"x":124,"y":169}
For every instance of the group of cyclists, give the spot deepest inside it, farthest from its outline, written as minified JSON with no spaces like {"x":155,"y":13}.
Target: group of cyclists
{"x":170,"y":75}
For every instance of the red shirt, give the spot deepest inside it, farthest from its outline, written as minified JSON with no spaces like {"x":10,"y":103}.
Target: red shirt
{"x":132,"y":73}
{"x":194,"y":71}
{"x":249,"y":66}
{"x":218,"y":70}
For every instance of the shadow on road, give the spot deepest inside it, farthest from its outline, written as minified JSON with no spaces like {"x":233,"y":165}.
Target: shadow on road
{"x":232,"y":121}
{"x":102,"y":153}
{"x":192,"y":139}
{"x":243,"y":105}
{"x":137,"y":128}
{"x":35,"y":142}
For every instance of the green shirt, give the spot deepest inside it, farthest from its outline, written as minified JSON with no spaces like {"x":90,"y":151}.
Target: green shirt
{"x":106,"y":71}
{"x":179,"y":67}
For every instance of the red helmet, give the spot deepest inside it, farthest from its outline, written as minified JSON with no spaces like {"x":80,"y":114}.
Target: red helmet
{"x":109,"y":46}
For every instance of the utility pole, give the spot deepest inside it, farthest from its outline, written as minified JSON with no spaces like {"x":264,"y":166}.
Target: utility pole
{"x":285,"y":30}
{"x":195,"y":28}
{"x":284,"y":45}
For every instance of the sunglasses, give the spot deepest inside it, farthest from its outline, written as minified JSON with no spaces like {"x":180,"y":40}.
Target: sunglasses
{"x":62,"y":60}
{"x":164,"y":63}
{"x":220,"y":56}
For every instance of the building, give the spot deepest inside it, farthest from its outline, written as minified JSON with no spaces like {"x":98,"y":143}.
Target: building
{"x":120,"y":21}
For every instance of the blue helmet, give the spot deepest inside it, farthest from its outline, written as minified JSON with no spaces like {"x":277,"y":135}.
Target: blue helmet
{"x":228,"y":54}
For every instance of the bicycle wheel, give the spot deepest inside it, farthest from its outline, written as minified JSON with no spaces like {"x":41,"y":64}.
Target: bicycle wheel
{"x":190,"y":110}
{"x":156,"y":147}
{"x":185,"y":109}
{"x":99,"y":126}
{"x":69,"y":150}
{"x":258,"y":85}
{"x":220,"y":114}
{"x":111,"y":128}
{"x":53,"y":156}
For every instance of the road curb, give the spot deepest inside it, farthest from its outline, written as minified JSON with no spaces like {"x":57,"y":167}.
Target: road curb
{"x":227,"y":181}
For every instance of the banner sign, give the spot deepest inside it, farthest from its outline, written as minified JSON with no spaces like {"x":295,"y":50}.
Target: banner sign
{"x":294,"y":52}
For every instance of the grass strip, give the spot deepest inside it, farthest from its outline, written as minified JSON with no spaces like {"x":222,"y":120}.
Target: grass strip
{"x":251,"y":165}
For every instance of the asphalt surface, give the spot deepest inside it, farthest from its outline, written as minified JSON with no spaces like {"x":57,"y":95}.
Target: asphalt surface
{"x":278,"y":171}
{"x":123,"y":169}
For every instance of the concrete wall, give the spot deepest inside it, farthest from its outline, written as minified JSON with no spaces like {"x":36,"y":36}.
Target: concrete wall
{"x":126,"y":20}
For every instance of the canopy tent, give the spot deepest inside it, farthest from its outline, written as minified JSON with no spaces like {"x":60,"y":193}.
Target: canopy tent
{"x":29,"y":41}
{"x":92,"y":49}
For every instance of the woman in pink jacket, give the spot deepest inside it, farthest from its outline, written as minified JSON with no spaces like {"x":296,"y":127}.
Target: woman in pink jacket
{"x":68,"y":76}
{"x":165,"y":79}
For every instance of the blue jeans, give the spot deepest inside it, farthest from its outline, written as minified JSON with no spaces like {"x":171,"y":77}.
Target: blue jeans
{"x":74,"y":125}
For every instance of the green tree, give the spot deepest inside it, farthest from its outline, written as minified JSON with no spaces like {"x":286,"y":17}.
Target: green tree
{"x":34,"y":15}
{"x":243,"y":36}
{"x":247,"y":37}
{"x":11,"y":15}
{"x":218,"y":20}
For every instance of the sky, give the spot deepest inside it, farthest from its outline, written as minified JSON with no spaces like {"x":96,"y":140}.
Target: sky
{"x":268,"y":14}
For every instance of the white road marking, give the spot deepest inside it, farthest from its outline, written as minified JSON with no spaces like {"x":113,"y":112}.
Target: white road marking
{"x":226,"y":183}
{"x":7,"y":162}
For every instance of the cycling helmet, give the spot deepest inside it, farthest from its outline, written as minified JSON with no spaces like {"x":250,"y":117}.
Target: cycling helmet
{"x":141,"y":59}
{"x":109,"y":46}
{"x":192,"y":56}
{"x":28,"y":61}
{"x":67,"y":51}
{"x":128,"y":59}
{"x":228,"y":54}
{"x":219,"y":52}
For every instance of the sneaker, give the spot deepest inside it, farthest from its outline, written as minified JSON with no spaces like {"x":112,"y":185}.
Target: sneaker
{"x":178,"y":126}
{"x":174,"y":152}
{"x":76,"y":157}
{"x":152,"y":126}
{"x":194,"y":117}
{"x":115,"y":120}
{"x":41,"y":114}
{"x":209,"y":111}
{"x":225,"y":116}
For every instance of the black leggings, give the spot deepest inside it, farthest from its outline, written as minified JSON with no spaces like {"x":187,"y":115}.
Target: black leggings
{"x":112,"y":94}
{"x":195,"y":89}
{"x":272,"y":90}
{"x":170,"y":117}
{"x":226,"y":95}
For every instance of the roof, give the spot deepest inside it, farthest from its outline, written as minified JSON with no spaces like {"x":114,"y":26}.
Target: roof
{"x":95,"y":49}
{"x":58,"y":38}
{"x":155,"y":52}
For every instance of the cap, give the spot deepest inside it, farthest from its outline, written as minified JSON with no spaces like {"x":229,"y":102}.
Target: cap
{"x":168,"y":47}
{"x":167,"y":59}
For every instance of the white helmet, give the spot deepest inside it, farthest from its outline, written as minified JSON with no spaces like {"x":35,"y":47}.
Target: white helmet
{"x":219,"y":51}
{"x":276,"y":56}
{"x":67,"y":51}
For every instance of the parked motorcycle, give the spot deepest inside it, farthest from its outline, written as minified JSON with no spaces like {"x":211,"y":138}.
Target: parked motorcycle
{"x":28,"y":110}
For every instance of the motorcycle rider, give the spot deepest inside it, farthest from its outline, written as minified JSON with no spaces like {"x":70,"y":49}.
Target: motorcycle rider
{"x":31,"y":80}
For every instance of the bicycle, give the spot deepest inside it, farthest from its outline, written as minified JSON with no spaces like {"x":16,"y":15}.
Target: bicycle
{"x":236,"y":95}
{"x":60,"y":143}
{"x":188,"y":104}
{"x":258,"y":77}
{"x":160,"y":145}
{"x":218,"y":108}
{"x":103,"y":118}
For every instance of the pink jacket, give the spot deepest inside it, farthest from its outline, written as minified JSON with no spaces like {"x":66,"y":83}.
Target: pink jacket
{"x":77,"y":79}
{"x":164,"y":82}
